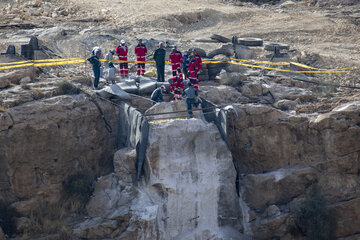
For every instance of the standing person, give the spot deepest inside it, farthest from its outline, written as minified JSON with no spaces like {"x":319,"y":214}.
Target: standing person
{"x":140,"y":52}
{"x":110,"y":73}
{"x":198,"y":59}
{"x":193,"y":72}
{"x":108,"y":58}
{"x":190,"y":94}
{"x":122,"y":52}
{"x":157,"y":95}
{"x":176,"y":60}
{"x":185,"y":64}
{"x":95,"y":61}
{"x":159,"y":57}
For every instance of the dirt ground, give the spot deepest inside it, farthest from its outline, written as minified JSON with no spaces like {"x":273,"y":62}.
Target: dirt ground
{"x":329,"y":31}
{"x":326,"y":34}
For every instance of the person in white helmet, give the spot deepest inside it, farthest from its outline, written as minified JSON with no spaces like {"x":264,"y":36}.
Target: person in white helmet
{"x":122,"y":52}
{"x":108,"y":58}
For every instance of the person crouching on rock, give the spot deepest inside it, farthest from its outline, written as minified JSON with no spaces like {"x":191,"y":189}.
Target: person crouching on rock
{"x":95,"y":61}
{"x":157,"y":95}
{"x":110,"y":73}
{"x":191,"y":95}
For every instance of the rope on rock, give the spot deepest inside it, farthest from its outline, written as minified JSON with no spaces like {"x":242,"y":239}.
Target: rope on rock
{"x":92,"y":99}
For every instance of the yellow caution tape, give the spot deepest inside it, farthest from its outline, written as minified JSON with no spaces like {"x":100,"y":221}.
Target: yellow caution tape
{"x":42,"y":64}
{"x":291,"y":63}
{"x":285,"y":70}
{"x":13,"y":63}
{"x":321,"y":69}
{"x":58,"y":63}
{"x":65,"y":61}
{"x":165,"y":120}
{"x":17,"y":66}
{"x":41,"y":60}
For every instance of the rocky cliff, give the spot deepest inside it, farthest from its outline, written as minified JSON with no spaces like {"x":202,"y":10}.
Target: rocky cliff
{"x":43,"y":142}
{"x":280,"y":155}
{"x":187,"y":192}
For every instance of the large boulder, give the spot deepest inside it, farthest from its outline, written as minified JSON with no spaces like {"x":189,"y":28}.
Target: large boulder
{"x":118,"y":212}
{"x":222,"y":94}
{"x":114,"y":91}
{"x":171,"y":110}
{"x":190,"y":173}
{"x":278,"y":187}
{"x":14,"y":77}
{"x":125,"y":166}
{"x":347,"y":215}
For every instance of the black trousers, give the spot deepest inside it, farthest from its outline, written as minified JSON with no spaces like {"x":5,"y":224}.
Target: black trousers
{"x":160,"y":72}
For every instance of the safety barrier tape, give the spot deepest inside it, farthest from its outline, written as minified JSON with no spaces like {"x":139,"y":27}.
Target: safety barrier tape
{"x":285,"y":70}
{"x":56,"y":63}
{"x":66,"y":61}
{"x":42,"y":60}
{"x":291,"y":63}
{"x":165,"y":120}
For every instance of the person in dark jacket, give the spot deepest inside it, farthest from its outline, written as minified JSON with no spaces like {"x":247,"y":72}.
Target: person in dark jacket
{"x":185,"y":64}
{"x":191,"y":95}
{"x":157,"y":95}
{"x":95,"y":61}
{"x":159,"y":57}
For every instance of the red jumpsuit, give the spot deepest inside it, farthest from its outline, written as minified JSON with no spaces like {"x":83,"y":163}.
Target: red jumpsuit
{"x":193,"y":73}
{"x":198,"y":59}
{"x":177,"y":82}
{"x":140,"y":52}
{"x":177,"y":87}
{"x":122,"y":51}
{"x":176,"y":60}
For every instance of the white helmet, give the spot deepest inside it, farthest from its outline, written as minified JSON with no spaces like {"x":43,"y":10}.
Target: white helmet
{"x":122,"y":41}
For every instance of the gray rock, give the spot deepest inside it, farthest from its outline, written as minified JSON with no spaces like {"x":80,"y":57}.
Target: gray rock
{"x":113,"y":91}
{"x":96,"y":228}
{"x":125,"y":166}
{"x":25,"y":80}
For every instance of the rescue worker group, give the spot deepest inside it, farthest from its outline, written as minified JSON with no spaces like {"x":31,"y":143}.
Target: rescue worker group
{"x":185,"y":68}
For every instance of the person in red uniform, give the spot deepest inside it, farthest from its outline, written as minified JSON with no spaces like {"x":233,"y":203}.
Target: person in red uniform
{"x":198,"y":59}
{"x":177,"y":86}
{"x":176,"y":60}
{"x":140,"y":52}
{"x":193,"y":72}
{"x":122,"y":51}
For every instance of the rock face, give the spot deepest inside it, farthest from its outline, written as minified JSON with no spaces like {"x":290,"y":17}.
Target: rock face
{"x":118,"y":212}
{"x":279,"y":156}
{"x":191,"y":178}
{"x":188,"y":190}
{"x":56,"y":138}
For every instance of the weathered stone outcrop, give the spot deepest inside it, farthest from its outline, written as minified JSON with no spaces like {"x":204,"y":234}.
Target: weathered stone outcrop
{"x":280,"y":155}
{"x":188,"y":190}
{"x":118,"y":212}
{"x":44,"y":142}
{"x":191,"y":178}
